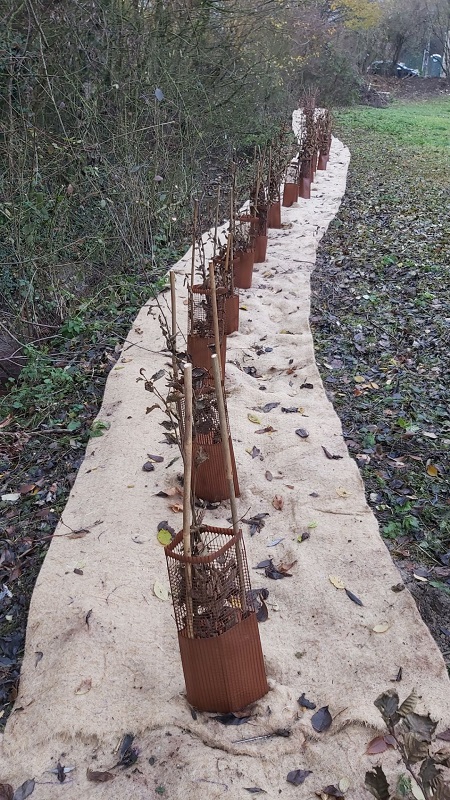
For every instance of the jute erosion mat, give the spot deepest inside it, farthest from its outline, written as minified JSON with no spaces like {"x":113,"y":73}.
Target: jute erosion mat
{"x":102,"y":656}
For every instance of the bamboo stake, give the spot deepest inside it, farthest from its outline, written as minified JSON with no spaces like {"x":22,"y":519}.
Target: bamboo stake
{"x":229,"y":471}
{"x":216,"y":224}
{"x":173,"y":303}
{"x":194,"y":241}
{"x":212,"y":282}
{"x":187,"y":454}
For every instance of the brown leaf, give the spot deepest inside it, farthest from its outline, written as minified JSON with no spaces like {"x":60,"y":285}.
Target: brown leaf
{"x":269,"y":476}
{"x":278,"y":502}
{"x":330,"y":455}
{"x":444,"y":736}
{"x":26,"y":488}
{"x":78,"y":534}
{"x":99,"y":777}
{"x":4,"y":424}
{"x":377,"y":745}
{"x":84,"y":687}
{"x":177,"y":508}
{"x":6,"y":791}
{"x":285,"y":568}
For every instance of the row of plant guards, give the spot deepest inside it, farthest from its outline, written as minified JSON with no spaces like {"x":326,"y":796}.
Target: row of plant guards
{"x":214,"y":605}
{"x":313,"y":155}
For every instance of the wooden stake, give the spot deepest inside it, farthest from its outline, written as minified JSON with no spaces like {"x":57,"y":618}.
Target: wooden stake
{"x":173,"y":303}
{"x":194,"y":241}
{"x":216,"y":224}
{"x":187,"y":455}
{"x":229,"y":471}
{"x":212,"y":282}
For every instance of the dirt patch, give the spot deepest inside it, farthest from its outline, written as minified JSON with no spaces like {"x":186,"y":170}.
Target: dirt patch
{"x":410,"y":88}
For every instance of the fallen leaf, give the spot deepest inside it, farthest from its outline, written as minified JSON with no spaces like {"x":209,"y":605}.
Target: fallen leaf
{"x":254,"y":790}
{"x":255,"y":452}
{"x":268,"y":476}
{"x":267,"y":429}
{"x":262,"y":613}
{"x":344,"y":784}
{"x":268,"y":407}
{"x":336,"y":581}
{"x":160,"y":591}
{"x":164,"y":537}
{"x":332,"y":791}
{"x":382,"y":627}
{"x":148,"y":466}
{"x":177,"y":508}
{"x":444,"y":736}
{"x":253,"y":418}
{"x":157,"y":459}
{"x":4,"y":424}
{"x":353,"y":597}
{"x":432,"y":470}
{"x":376,"y":783}
{"x":274,"y":542}
{"x":99,"y":777}
{"x":302,"y":433}
{"x":298,"y":776}
{"x":84,"y":687}
{"x":6,"y":790}
{"x":305,"y":703}
{"x":24,"y":790}
{"x":321,"y":720}
{"x":307,"y":386}
{"x":149,"y":409}
{"x":330,"y":455}
{"x":341,"y":492}
{"x":78,"y":534}
{"x":292,"y":410}
{"x":231,"y":718}
{"x":263,"y":564}
{"x":278,"y":502}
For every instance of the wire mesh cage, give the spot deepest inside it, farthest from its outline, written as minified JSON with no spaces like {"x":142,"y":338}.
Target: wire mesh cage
{"x":201,"y":321}
{"x":218,"y":632}
{"x":200,"y":341}
{"x":219,"y":590}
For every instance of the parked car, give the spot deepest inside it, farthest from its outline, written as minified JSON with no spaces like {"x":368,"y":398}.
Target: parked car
{"x":387,"y":68}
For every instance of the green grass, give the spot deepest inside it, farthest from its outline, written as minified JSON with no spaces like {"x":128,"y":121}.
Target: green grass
{"x":424,"y":124}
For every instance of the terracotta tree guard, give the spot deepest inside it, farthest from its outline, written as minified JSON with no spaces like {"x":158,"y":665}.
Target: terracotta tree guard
{"x":243,"y":269}
{"x":232,"y":310}
{"x":222,"y":661}
{"x":304,"y":183}
{"x":290,"y":190}
{"x":274,"y":215}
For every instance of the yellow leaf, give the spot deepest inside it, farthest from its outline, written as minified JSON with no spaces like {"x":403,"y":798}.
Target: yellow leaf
{"x":432,"y":470}
{"x":359,"y":379}
{"x":382,"y":627}
{"x":253,"y":418}
{"x":336,"y":581}
{"x":160,"y":591}
{"x":243,"y":308}
{"x":164,"y":537}
{"x":341,"y":492}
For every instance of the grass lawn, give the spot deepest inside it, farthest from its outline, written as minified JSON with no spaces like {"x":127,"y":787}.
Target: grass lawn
{"x":381,"y":322}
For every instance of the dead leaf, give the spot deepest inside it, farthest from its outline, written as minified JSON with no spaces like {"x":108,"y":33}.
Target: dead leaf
{"x":160,"y":591}
{"x":24,"y":790}
{"x":332,"y":791}
{"x":84,"y":687}
{"x":298,"y":776}
{"x":177,"y":508}
{"x":4,"y":424}
{"x":278,"y":502}
{"x":157,"y":459}
{"x":302,"y":433}
{"x":321,"y":720}
{"x":341,"y":492}
{"x":336,"y":581}
{"x":267,"y":429}
{"x":253,"y":418}
{"x":148,"y":466}
{"x":330,"y":455}
{"x":149,"y":409}
{"x":444,"y":736}
{"x":305,"y":703}
{"x":382,"y":627}
{"x":268,"y":476}
{"x":80,"y":534}
{"x":6,"y":790}
{"x":353,"y":597}
{"x":432,"y":470}
{"x":99,"y":777}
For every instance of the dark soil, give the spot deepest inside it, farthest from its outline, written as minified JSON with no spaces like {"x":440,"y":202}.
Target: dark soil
{"x":380,"y":318}
{"x":410,"y":88}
